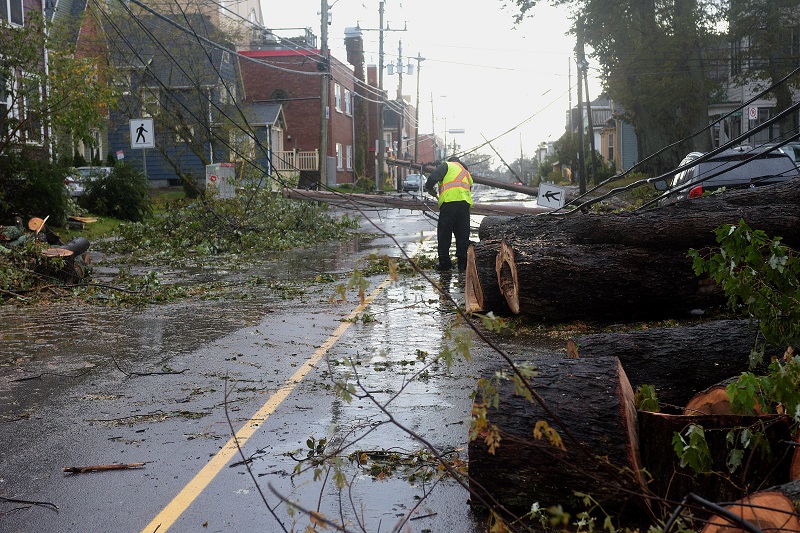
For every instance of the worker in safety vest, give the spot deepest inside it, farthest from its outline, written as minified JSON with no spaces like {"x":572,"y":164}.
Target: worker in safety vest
{"x":454,"y":184}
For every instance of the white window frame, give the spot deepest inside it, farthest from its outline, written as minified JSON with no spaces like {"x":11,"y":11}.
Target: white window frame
{"x":348,"y":99}
{"x":339,"y":162}
{"x":150,"y":97}
{"x":5,"y":15}
{"x":337,"y":96}
{"x":179,"y":134}
{"x":349,"y":155}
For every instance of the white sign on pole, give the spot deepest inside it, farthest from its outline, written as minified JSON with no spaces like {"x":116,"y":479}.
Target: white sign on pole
{"x":142,"y":134}
{"x":551,"y":196}
{"x":752,"y":113}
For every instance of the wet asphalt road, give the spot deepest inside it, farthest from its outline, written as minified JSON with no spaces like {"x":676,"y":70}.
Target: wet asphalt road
{"x":169,"y":385}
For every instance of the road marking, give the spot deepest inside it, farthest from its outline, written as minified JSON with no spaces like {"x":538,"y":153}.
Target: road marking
{"x":192,"y":490}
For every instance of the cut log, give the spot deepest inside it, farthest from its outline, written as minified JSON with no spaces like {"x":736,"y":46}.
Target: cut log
{"x":713,"y":401}
{"x":768,"y":511}
{"x":681,"y":226}
{"x":678,"y":361}
{"x":560,"y":282}
{"x":482,"y":292}
{"x":757,"y":470}
{"x":594,"y":399}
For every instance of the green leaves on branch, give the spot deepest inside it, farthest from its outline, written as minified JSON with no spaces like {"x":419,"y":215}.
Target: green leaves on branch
{"x":759,"y":274}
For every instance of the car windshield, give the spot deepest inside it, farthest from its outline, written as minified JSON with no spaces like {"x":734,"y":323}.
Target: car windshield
{"x":412,"y":178}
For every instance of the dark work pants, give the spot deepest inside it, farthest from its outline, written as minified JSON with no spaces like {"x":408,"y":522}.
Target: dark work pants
{"x":453,"y":219}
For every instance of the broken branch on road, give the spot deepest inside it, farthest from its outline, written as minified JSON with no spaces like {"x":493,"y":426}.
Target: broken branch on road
{"x":97,"y":468}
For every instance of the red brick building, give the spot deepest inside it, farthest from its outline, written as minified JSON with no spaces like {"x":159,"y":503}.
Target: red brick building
{"x":292,"y":77}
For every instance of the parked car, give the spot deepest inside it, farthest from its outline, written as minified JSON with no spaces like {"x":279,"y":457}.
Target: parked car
{"x":76,"y":182}
{"x":793,"y":150}
{"x":720,"y":171}
{"x":414,"y":183}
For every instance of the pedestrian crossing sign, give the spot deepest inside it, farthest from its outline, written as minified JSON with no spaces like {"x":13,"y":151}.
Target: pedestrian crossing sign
{"x":142,"y":134}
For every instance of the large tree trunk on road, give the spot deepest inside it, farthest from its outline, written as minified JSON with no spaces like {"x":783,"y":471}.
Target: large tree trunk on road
{"x":678,"y":361}
{"x":594,"y":399}
{"x":682,"y":226}
{"x":562,"y":282}
{"x":757,"y":469}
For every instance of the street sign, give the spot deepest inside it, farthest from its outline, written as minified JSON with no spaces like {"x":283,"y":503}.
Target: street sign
{"x":142,"y":134}
{"x":752,"y":113}
{"x":551,"y":196}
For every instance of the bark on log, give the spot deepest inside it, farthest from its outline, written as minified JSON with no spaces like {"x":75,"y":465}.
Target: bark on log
{"x":680,"y":227}
{"x":757,"y":469}
{"x":678,"y":361}
{"x":594,"y":399}
{"x":562,"y":282}
{"x":768,"y":511}
{"x":482,"y":292}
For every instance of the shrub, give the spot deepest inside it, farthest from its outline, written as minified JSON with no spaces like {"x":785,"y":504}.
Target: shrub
{"x":124,"y":193}
{"x":32,"y":186}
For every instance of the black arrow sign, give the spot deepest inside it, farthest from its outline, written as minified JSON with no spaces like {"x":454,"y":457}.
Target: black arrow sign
{"x":552,"y":196}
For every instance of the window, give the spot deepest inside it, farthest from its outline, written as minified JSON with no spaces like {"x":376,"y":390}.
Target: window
{"x":348,"y":108}
{"x":339,"y":165}
{"x":11,"y":11}
{"x":610,"y":147}
{"x":349,"y":157}
{"x":5,"y":106}
{"x":32,"y":100}
{"x":184,"y":134}
{"x":337,"y":95}
{"x":150,"y":102}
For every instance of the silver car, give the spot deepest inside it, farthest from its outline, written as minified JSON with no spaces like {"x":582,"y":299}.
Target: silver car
{"x":727,"y":170}
{"x":81,"y":176}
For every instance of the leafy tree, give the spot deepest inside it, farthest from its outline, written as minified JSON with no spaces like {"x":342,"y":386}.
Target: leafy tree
{"x":765,"y":38}
{"x":79,"y":94}
{"x":654,"y":61}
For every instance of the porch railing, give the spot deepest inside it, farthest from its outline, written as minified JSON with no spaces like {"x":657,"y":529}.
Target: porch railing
{"x":294,"y":160}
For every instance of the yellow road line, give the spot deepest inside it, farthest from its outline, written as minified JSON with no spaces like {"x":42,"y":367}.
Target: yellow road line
{"x":192,"y":490}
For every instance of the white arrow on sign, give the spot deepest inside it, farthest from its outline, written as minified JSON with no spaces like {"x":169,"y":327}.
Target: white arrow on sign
{"x":551,"y":196}
{"x":142,"y":134}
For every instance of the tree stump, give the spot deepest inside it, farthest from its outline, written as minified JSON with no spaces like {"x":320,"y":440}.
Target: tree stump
{"x":593,"y":398}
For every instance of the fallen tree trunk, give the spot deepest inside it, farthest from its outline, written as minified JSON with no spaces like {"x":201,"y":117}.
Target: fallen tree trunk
{"x":679,"y":227}
{"x":678,"y":361}
{"x":594,"y":399}
{"x":672,"y":481}
{"x":560,"y":282}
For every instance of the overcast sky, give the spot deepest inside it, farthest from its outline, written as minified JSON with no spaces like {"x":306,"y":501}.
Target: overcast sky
{"x":482,"y":73}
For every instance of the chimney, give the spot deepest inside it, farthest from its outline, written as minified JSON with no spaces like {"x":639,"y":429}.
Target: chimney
{"x":354,"y":44}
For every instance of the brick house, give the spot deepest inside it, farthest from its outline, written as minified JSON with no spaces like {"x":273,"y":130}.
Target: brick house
{"x":291,"y":76}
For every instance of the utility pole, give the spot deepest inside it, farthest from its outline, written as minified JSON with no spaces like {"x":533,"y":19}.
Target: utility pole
{"x":324,"y":67}
{"x":419,"y":59}
{"x":381,"y":147}
{"x":401,"y":113}
{"x":591,"y":124}
{"x":381,"y":144}
{"x":580,"y":61}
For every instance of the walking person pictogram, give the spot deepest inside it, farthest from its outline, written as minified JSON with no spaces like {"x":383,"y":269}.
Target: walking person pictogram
{"x":140,"y":131}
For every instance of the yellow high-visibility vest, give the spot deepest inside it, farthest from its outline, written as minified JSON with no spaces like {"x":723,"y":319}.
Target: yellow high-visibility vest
{"x":455,"y":185}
